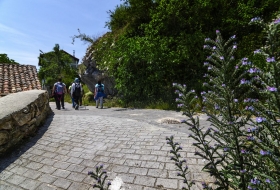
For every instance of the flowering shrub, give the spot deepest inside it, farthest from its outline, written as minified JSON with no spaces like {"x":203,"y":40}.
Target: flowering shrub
{"x":100,"y":176}
{"x":241,"y":148}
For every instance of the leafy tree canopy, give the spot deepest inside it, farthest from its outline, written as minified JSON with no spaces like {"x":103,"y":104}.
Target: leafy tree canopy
{"x":54,"y":64}
{"x":153,"y":43}
{"x":5,"y":59}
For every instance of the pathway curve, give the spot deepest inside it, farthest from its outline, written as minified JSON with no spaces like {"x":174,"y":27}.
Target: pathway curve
{"x":130,"y":143}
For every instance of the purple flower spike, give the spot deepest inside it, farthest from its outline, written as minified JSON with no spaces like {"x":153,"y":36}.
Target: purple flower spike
{"x":207,"y":39}
{"x":243,"y":171}
{"x":270,"y":59}
{"x":276,"y":21}
{"x":217,"y":31}
{"x":260,"y":119}
{"x":222,"y":58}
{"x":243,"y":151}
{"x":257,"y":51}
{"x":267,"y":181}
{"x":256,"y":19}
{"x":272,"y":89}
{"x":235,"y":100}
{"x":255,"y":181}
{"x":234,"y":47}
{"x":180,"y":105}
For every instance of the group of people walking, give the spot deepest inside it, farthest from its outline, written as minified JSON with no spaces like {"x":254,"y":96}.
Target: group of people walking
{"x":76,"y":92}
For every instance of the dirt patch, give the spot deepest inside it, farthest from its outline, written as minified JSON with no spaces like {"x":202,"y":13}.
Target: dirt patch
{"x":169,"y":120}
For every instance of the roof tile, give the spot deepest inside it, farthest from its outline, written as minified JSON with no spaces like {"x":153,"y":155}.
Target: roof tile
{"x":16,"y":78}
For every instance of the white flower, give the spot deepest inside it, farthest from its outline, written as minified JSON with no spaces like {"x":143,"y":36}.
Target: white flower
{"x":116,"y":184}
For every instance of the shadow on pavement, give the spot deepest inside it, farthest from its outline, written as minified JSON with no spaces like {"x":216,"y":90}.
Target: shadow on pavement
{"x":15,"y":152}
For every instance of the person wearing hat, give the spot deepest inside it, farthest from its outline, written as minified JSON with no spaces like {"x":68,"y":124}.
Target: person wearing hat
{"x":76,"y":90}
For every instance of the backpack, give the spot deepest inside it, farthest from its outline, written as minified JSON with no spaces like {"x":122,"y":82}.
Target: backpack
{"x":100,"y":88}
{"x":77,"y":90}
{"x":59,"y":88}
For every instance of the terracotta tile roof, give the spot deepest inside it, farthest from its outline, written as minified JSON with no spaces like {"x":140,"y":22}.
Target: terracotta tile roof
{"x":16,"y":78}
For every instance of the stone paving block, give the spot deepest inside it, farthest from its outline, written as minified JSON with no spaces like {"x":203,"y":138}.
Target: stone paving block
{"x":138,"y":171}
{"x":47,"y":169}
{"x":75,"y":160}
{"x":49,"y":149}
{"x":120,"y":169}
{"x":150,"y":188}
{"x":22,"y":162}
{"x":36,"y":158}
{"x":48,"y":161}
{"x":102,"y":158}
{"x":133,"y":163}
{"x":7,"y":186}
{"x":145,"y":181}
{"x":32,"y":174}
{"x":118,"y":161}
{"x":61,"y":173}
{"x":5,"y":174}
{"x":167,"y":183}
{"x":61,"y":165}
{"x":159,"y":153}
{"x":157,"y":173}
{"x":127,"y":178}
{"x":134,"y":187}
{"x":47,"y":178}
{"x":49,"y":154}
{"x":62,"y":183}
{"x":164,"y":159}
{"x":127,"y":151}
{"x":30,"y":184}
{"x":74,"y":154}
{"x":143,"y":151}
{"x":148,"y":157}
{"x":75,"y":168}
{"x":38,"y":152}
{"x":78,"y":177}
{"x":18,"y":170}
{"x":78,"y":186}
{"x":116,"y":155}
{"x":61,"y":151}
{"x":155,"y":165}
{"x":132,"y":156}
{"x":15,"y":179}
{"x":34,"y":165}
{"x":89,"y":163}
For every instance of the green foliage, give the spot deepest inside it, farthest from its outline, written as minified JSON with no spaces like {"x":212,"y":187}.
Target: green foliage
{"x":56,"y":64}
{"x":5,"y":59}
{"x":152,"y":43}
{"x":241,"y":148}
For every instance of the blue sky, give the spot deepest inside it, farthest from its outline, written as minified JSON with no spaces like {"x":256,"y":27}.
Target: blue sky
{"x":27,"y":26}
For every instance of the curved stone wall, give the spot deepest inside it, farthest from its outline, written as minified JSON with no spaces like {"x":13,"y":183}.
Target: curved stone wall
{"x":21,"y":114}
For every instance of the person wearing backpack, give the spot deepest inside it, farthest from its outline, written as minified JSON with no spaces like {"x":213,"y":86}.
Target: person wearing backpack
{"x":58,"y":91}
{"x":76,"y":92}
{"x":99,"y":94}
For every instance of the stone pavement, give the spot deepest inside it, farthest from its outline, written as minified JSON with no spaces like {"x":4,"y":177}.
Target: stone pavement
{"x":130,"y":143}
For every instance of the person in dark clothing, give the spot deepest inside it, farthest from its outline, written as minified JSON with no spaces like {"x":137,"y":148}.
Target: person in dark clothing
{"x":76,"y":92}
{"x":58,"y":92}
